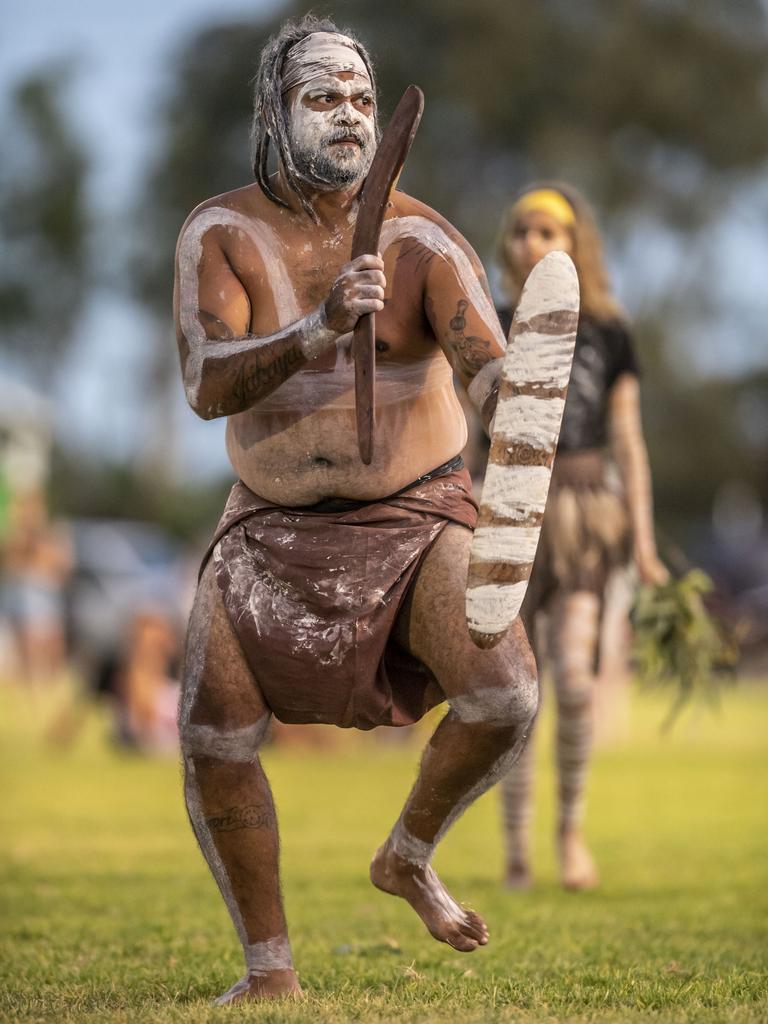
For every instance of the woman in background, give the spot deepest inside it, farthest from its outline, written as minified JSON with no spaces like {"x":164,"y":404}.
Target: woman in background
{"x":599,"y":515}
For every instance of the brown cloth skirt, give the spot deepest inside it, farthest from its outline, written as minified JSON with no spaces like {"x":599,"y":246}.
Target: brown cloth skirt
{"x":585,"y":534}
{"x":313,"y":594}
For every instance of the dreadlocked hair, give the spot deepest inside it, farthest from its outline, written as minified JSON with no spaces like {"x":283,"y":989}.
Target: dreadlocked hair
{"x":270,"y":120}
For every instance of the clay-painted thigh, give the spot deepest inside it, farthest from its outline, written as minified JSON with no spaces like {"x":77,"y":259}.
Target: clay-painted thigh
{"x":219,"y":689}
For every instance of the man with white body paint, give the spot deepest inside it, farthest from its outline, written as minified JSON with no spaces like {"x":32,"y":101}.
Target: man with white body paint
{"x":334,"y":591}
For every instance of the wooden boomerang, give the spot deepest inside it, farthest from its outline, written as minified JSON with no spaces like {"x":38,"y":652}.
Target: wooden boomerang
{"x":385,"y":170}
{"x":526,"y":426}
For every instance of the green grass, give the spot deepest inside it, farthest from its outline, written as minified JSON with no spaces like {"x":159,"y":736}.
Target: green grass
{"x":107,"y":912}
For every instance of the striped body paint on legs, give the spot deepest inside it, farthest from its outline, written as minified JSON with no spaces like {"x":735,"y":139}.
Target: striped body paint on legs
{"x":517,"y":816}
{"x":572,"y":642}
{"x":525,"y":429}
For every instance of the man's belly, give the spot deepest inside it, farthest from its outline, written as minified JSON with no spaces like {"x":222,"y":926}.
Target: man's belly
{"x":299,"y":446}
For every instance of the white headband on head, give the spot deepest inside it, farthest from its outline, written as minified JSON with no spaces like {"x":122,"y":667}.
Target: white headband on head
{"x":321,"y":53}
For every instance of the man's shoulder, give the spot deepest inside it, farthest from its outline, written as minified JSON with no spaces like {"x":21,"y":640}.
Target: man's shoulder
{"x":407,"y":206}
{"x":228,"y":208}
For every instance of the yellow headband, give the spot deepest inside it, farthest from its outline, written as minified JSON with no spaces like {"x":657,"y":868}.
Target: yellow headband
{"x":547,"y":200}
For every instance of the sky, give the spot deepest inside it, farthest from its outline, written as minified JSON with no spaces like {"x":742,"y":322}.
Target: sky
{"x":124,"y":51}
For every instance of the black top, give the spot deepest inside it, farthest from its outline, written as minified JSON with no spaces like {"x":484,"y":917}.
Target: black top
{"x":604,"y":351}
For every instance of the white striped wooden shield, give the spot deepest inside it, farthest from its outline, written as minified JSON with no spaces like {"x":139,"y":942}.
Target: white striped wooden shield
{"x":524,"y":433}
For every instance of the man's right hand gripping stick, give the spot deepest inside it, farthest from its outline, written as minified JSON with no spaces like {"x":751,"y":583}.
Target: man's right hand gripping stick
{"x":525,"y":429}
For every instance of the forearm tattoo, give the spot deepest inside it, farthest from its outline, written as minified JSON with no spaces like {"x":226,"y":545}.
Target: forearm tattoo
{"x":235,"y":373}
{"x":473,"y":358}
{"x":251,"y":382}
{"x":253,"y":816}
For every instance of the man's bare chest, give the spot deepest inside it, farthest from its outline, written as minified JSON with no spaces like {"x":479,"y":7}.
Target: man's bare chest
{"x":297,"y":275}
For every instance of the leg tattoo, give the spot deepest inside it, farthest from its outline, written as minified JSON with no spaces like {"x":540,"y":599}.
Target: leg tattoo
{"x":222,"y":723}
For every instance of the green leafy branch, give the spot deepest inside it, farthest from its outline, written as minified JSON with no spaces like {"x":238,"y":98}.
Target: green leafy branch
{"x":678,"y":645}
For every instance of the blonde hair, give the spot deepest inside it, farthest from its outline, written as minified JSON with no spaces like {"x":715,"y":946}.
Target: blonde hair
{"x":597,"y":298}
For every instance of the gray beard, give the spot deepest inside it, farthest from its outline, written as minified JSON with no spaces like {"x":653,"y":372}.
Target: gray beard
{"x":327,"y":170}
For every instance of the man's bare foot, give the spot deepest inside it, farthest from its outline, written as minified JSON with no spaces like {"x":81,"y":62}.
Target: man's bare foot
{"x":445,"y":919}
{"x":577,"y":868}
{"x":275,"y":985}
{"x":518,"y":875}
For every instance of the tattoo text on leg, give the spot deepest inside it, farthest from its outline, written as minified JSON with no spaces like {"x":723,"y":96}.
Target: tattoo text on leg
{"x":251,"y":817}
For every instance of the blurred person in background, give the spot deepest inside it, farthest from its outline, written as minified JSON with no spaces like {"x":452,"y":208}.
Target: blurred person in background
{"x":126,"y":599}
{"x":137,"y":680}
{"x":148,"y":692}
{"x":36,"y":561}
{"x":599,"y":515}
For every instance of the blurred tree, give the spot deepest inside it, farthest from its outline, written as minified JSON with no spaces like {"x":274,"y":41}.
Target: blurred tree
{"x":615,"y":95}
{"x":655,"y":108}
{"x":44,"y":259}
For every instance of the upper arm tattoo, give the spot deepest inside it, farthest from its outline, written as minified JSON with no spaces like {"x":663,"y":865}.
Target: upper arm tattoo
{"x":471,"y":352}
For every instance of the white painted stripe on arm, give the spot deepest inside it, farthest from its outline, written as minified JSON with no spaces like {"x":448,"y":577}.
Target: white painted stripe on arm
{"x":484,"y":382}
{"x":432,"y":236}
{"x":269,"y":248}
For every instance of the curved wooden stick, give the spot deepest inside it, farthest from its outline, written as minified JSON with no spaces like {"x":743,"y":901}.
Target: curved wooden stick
{"x":385,"y":170}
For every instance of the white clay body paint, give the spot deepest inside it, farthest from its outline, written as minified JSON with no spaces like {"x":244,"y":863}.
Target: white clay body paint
{"x":261,"y":959}
{"x":525,"y":431}
{"x":190,"y":253}
{"x":321,"y":53}
{"x":309,"y":389}
{"x":433,"y":237}
{"x":236,"y":745}
{"x":309,"y":128}
{"x":434,"y":888}
{"x":405,"y":845}
{"x":498,"y":706}
{"x":276,"y":950}
{"x":312,"y":133}
{"x":483,"y":383}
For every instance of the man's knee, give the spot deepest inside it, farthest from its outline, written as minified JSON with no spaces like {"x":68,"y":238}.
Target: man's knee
{"x":510,"y":701}
{"x":240,"y":745}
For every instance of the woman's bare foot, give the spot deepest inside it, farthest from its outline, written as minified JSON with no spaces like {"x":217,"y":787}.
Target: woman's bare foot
{"x":518,"y":875}
{"x":275,"y":985}
{"x":446,"y":920}
{"x":577,"y":868}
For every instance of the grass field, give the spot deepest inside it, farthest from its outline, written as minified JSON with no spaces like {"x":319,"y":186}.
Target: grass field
{"x":108,"y":914}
